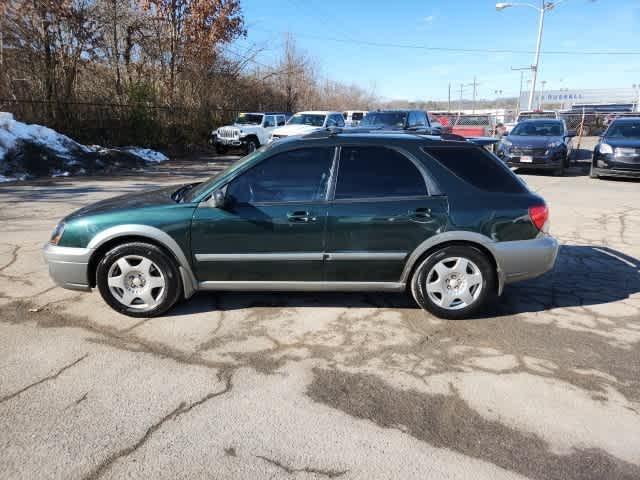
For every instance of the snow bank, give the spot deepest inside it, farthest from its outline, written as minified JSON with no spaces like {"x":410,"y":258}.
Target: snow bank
{"x":28,"y":151}
{"x":11,"y":131}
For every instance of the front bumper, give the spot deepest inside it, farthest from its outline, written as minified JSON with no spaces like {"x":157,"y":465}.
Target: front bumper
{"x":524,"y":259}
{"x":614,"y":172}
{"x":68,"y":267}
{"x":537,"y":162}
{"x":230,"y":142}
{"x":617,"y":166}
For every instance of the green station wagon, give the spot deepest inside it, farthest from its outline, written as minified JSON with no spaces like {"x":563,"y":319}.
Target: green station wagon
{"x":442,"y":219}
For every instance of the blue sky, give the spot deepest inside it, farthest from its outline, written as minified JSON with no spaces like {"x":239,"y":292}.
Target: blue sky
{"x":603,"y":25}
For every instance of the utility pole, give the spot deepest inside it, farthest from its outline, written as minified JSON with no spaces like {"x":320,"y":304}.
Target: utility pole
{"x":460,"y":105}
{"x":541,"y":103}
{"x":475,"y":89}
{"x":521,"y":70}
{"x":534,"y":67}
{"x":449,"y":99}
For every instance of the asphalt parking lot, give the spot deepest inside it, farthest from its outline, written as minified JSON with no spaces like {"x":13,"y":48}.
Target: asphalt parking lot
{"x":546,"y":386}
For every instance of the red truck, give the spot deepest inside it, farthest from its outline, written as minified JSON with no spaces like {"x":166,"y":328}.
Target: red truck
{"x":474,"y":125}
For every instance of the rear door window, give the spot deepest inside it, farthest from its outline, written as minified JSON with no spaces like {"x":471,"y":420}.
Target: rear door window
{"x":375,"y":172}
{"x":478,"y":167}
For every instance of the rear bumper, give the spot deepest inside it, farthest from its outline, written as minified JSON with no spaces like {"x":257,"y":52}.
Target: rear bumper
{"x":68,"y":267}
{"x":525,"y":259}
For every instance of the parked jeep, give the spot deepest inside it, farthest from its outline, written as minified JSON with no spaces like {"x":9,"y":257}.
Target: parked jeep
{"x":249,"y":131}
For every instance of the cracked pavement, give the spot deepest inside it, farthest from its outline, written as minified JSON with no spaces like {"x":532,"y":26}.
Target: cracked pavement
{"x":240,"y":385}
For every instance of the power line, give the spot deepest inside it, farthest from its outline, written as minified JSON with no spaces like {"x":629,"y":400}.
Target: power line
{"x":457,"y":50}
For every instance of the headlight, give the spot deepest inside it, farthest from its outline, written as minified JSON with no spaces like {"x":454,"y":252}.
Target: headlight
{"x":505,"y":144}
{"x":554,"y":144}
{"x":605,"y":149}
{"x":57,"y":234}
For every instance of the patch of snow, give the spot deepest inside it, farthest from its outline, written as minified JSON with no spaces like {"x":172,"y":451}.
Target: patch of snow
{"x":72,"y":154}
{"x":146,"y":154}
{"x":4,"y":179}
{"x":11,"y":131}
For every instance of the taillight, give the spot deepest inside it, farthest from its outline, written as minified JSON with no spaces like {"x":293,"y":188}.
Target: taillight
{"x":539,"y":215}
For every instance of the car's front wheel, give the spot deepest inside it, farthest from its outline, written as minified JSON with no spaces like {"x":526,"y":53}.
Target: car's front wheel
{"x":454,"y":282}
{"x":138,"y":279}
{"x":252,"y":145}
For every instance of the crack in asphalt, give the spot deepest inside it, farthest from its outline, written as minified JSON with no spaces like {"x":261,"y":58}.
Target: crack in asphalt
{"x":44,"y":379}
{"x":291,"y":470}
{"x":180,"y":410}
{"x":14,"y":257}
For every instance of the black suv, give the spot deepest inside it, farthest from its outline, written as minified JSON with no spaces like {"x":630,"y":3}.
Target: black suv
{"x":445,"y":220}
{"x":414,"y":121}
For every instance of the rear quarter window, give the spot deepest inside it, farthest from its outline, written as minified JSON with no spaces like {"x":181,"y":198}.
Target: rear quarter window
{"x":478,"y":167}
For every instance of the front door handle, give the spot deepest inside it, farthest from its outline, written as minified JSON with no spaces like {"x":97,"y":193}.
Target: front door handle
{"x":301,"y":217}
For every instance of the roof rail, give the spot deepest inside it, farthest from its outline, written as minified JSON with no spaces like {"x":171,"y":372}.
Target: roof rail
{"x":324,"y":133}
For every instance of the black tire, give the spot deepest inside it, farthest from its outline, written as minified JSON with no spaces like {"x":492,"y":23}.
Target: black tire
{"x":559,"y":172}
{"x":488,"y":283}
{"x":165,"y":265}
{"x":221,"y":149}
{"x":252,"y":145}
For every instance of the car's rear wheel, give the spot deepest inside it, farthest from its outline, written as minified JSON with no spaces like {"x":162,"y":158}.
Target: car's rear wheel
{"x":454,"y":282}
{"x":138,"y":279}
{"x":559,"y":172}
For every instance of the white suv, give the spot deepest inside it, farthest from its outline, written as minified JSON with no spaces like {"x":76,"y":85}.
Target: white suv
{"x":249,"y":131}
{"x":306,"y":122}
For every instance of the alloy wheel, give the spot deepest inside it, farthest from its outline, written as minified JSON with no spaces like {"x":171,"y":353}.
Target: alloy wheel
{"x":136,"y":282}
{"x":454,"y":283}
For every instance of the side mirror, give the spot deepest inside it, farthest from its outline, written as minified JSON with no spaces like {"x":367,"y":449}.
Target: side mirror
{"x":219,"y":198}
{"x":571,"y":133}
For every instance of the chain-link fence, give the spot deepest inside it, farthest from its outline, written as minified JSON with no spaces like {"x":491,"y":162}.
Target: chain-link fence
{"x":113,"y":124}
{"x":488,"y":124}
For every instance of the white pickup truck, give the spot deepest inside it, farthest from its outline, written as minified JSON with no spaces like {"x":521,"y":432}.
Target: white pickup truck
{"x":249,"y":131}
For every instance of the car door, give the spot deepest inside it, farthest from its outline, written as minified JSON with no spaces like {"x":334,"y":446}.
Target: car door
{"x":272,"y":225}
{"x":379,"y":213}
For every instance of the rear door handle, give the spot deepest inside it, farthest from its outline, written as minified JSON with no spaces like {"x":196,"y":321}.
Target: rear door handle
{"x":300,"y":217}
{"x":421,"y":212}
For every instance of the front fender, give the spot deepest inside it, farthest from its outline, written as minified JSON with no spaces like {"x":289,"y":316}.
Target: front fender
{"x":157,"y":236}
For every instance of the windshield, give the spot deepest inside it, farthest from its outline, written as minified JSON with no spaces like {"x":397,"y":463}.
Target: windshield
{"x":624,"y":130}
{"x":386,"y":119}
{"x":199,"y":189}
{"x":249,"y":119}
{"x":537,"y":129}
{"x":313,"y":119}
